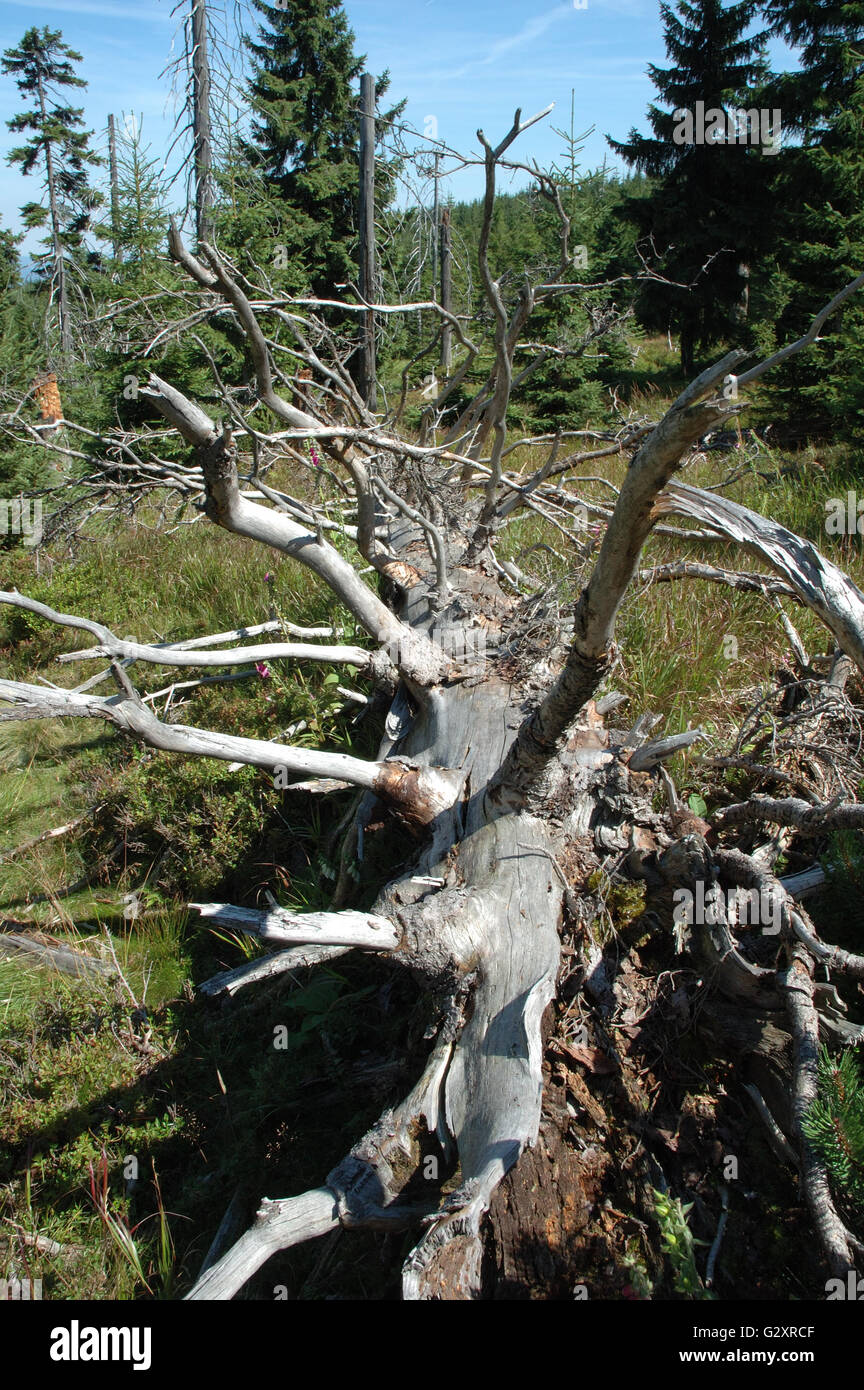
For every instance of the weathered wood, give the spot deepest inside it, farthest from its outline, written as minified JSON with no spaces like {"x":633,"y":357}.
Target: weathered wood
{"x":416,"y":657}
{"x":267,"y":967}
{"x":201,"y":126}
{"x":115,"y":190}
{"x":511,"y":777}
{"x":803,"y":816}
{"x":367,"y":930}
{"x":422,"y":792}
{"x":732,"y":579}
{"x":817,"y":582}
{"x":634,"y":516}
{"x":63,"y":958}
{"x":278,"y":1226}
{"x":367,"y":384}
{"x":804,"y":1020}
{"x":56,"y":833}
{"x":446,"y":238}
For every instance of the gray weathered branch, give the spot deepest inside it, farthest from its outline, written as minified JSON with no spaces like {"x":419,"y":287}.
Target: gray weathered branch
{"x":367,"y":931}
{"x":420,"y":793}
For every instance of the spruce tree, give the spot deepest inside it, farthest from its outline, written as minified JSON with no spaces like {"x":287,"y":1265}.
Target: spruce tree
{"x":708,"y":214}
{"x":142,"y":218}
{"x":304,"y":138}
{"x":819,"y":216}
{"x":10,"y":268}
{"x":830,"y":37}
{"x":59,"y":148}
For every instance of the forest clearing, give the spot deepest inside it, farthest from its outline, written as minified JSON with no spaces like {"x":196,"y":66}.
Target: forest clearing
{"x":432,"y":682}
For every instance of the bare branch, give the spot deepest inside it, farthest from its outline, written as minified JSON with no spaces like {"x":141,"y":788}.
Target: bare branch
{"x":733,"y":579}
{"x":806,"y":818}
{"x":266,"y":967}
{"x":364,"y":930}
{"x":809,"y":337}
{"x":190,"y":654}
{"x":590,"y":656}
{"x":412,"y":653}
{"x":797,"y":984}
{"x":814,"y":579}
{"x":420,"y":793}
{"x":278,"y":1226}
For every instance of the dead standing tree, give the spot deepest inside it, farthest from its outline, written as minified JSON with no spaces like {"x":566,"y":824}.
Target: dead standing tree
{"x":513,"y":786}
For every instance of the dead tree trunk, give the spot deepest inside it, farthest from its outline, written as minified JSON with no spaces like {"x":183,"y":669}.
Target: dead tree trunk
{"x":367,"y":384}
{"x":496,"y":754}
{"x":446,"y":291}
{"x":201,"y":125}
{"x":60,"y":288}
{"x":115,"y":189}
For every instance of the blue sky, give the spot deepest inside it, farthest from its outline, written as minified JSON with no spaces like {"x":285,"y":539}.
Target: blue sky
{"x":465,"y":62}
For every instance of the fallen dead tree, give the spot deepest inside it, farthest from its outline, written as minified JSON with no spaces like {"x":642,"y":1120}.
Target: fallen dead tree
{"x":508,"y":771}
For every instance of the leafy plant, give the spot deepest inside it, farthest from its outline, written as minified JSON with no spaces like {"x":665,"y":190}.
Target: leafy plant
{"x":679,"y":1244}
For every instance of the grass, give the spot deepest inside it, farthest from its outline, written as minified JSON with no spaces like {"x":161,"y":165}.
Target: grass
{"x":123,"y":1138}
{"x":197,"y":1104}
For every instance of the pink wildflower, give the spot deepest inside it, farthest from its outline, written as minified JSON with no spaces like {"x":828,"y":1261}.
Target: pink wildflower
{"x":263,"y":670}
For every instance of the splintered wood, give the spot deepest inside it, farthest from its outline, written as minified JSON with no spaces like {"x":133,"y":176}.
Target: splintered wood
{"x":47,"y":394}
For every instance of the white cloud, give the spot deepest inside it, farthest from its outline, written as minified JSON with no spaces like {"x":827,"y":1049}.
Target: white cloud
{"x":534,"y":29}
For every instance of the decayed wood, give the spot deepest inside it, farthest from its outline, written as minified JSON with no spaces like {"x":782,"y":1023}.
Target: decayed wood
{"x":816,"y":581}
{"x":806,"y":818}
{"x":190,"y":654}
{"x":844,"y":962}
{"x":806,"y":882}
{"x":228,"y":1230}
{"x":422,"y":792}
{"x":362,"y":1190}
{"x":44,"y":1245}
{"x":635,"y":513}
{"x":115,"y":191}
{"x":365,"y":930}
{"x":267,"y":967}
{"x":777,"y":1139}
{"x":732,"y":579}
{"x":804,"y":1021}
{"x":652,"y":754}
{"x":56,"y":833}
{"x":63,"y":958}
{"x":502,"y":776}
{"x":367,"y":384}
{"x":201,"y":134}
{"x":419,"y":659}
{"x":278,"y":1226}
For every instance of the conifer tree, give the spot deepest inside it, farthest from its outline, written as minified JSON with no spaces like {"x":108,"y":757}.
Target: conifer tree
{"x":304,"y":137}
{"x":835,"y":1125}
{"x":59,"y":149}
{"x":707,"y":215}
{"x":142,"y":219}
{"x":819,"y":214}
{"x":10,"y":268}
